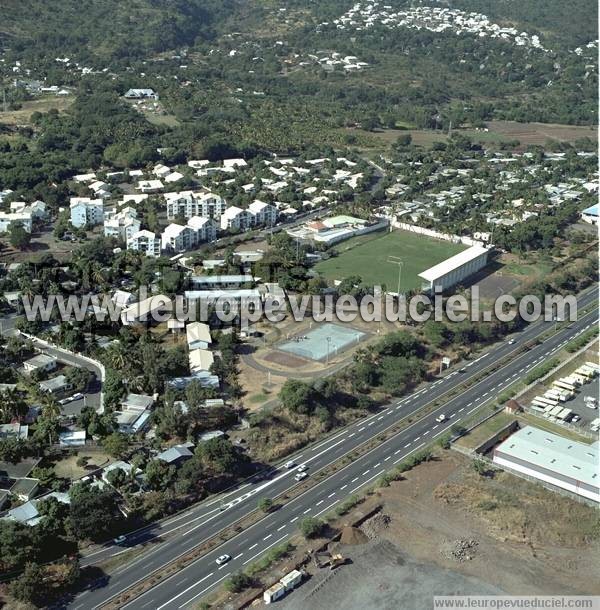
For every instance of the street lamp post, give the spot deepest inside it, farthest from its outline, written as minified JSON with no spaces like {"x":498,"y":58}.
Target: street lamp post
{"x":328,"y":344}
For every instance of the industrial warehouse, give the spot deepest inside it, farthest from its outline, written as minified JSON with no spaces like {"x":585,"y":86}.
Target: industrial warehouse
{"x":553,"y":459}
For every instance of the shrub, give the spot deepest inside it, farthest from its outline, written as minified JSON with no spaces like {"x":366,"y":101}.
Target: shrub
{"x":311,"y":527}
{"x":238,"y":582}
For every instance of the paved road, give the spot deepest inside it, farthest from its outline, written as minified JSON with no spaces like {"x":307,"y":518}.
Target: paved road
{"x":186,"y":531}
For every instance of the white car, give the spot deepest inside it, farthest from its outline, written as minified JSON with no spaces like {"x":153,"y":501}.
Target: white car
{"x":290,"y":464}
{"x":511,"y":341}
{"x":302,"y":468}
{"x":440,"y":418}
{"x":223,"y":559}
{"x":300,"y":476}
{"x":120,"y":539}
{"x":77,"y":396}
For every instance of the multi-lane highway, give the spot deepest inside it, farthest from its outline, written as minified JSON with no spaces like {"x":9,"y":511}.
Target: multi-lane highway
{"x":186,"y":531}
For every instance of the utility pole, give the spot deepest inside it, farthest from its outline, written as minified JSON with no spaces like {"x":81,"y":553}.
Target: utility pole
{"x":328,"y":343}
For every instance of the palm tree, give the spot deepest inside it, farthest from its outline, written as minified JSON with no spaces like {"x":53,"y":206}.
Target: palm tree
{"x":51,"y":408}
{"x":12,"y":405}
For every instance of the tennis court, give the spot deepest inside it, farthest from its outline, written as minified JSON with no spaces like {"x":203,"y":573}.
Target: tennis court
{"x":322,"y":342}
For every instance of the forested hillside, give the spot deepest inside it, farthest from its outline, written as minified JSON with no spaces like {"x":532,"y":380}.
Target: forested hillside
{"x":109,"y":28}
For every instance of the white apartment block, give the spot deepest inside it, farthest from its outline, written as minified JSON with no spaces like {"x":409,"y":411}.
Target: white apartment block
{"x":121,"y":225}
{"x":178,"y":238}
{"x":8,"y":218}
{"x":86,"y":211}
{"x":237,"y":219}
{"x":189,"y":204}
{"x":145,"y":242}
{"x":205,"y":228}
{"x":264,"y":213}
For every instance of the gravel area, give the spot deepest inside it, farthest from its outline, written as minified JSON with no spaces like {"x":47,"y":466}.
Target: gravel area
{"x":383,"y":577}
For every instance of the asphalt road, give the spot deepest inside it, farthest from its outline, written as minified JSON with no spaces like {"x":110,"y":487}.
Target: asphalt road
{"x":184,"y":532}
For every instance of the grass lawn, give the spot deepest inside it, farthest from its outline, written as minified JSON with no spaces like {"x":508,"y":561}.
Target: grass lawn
{"x":368,"y":255}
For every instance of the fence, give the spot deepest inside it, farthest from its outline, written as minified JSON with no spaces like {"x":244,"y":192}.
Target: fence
{"x":457,"y":239}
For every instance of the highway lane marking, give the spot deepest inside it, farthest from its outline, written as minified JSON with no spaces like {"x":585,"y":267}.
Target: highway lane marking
{"x":186,"y":590}
{"x":361,"y":429}
{"x":266,"y":548}
{"x":461,"y":409}
{"x":255,"y":545}
{"x":437,"y":434}
{"x":418,"y":438}
{"x":354,"y":479}
{"x":399,"y":450}
{"x":307,"y":511}
{"x":331,"y":495}
{"x":380,"y":418}
{"x":470,"y":404}
{"x":365,"y":472}
{"x":343,"y":487}
{"x":292,"y":521}
{"x":436,"y":426}
{"x":387,"y":458}
{"x":319,"y":502}
{"x":378,"y":464}
{"x":426,"y":432}
{"x":370,"y":423}
{"x":326,"y":508}
{"x":267,"y":537}
{"x":351,"y":435}
{"x":198,"y":594}
{"x":365,"y":482}
{"x":405,"y":446}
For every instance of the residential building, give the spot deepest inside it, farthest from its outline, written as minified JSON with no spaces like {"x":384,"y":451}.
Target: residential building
{"x":28,"y":513}
{"x":145,"y":242}
{"x":178,"y":238}
{"x":177,"y":454}
{"x":590,"y":215}
{"x":135,"y":413}
{"x":264,"y":213}
{"x":198,"y":336}
{"x":143,"y":311}
{"x":236,"y":219}
{"x":7,"y":219}
{"x":187,"y":204}
{"x":141,"y":94}
{"x":86,"y":211}
{"x":121,"y":225}
{"x":205,"y":228}
{"x":56,"y":385}
{"x":200,"y":361}
{"x":41,"y":362}
{"x":72,"y":438}
{"x":149,"y":186}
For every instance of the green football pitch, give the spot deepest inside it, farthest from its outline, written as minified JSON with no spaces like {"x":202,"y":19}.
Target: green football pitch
{"x":368,"y":256}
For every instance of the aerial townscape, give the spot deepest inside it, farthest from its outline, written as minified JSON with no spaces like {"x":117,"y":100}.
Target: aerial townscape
{"x":299,"y":304}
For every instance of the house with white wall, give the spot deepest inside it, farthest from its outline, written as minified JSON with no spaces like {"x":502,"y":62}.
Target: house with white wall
{"x":121,"y":225}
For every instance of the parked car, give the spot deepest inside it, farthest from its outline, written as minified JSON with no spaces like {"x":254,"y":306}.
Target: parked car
{"x":223,"y":559}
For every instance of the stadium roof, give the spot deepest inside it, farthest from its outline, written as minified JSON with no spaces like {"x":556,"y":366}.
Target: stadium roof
{"x":561,"y":455}
{"x":454,"y":262}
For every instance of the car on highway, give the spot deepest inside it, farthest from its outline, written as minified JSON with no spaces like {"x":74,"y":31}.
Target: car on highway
{"x":440,"y":418}
{"x":120,"y":539}
{"x":300,"y":476}
{"x":302,"y":468}
{"x":223,"y":559}
{"x":511,"y":341}
{"x":290,"y":464}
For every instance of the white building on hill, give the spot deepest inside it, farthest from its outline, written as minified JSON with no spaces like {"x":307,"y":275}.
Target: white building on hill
{"x":145,"y":242}
{"x":86,"y":211}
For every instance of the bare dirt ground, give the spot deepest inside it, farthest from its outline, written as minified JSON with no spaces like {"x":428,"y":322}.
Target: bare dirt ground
{"x":513,"y":537}
{"x":539,"y":133}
